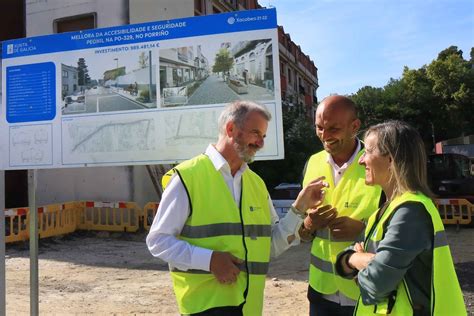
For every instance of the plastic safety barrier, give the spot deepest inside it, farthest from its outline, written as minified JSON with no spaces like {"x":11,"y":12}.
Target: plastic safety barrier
{"x":110,"y":216}
{"x":455,"y":211}
{"x":149,"y":212}
{"x":16,"y":225}
{"x":58,"y":219}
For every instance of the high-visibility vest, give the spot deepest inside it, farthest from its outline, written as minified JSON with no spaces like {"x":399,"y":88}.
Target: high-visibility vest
{"x":217,"y":223}
{"x":446,"y":295}
{"x":352,"y":198}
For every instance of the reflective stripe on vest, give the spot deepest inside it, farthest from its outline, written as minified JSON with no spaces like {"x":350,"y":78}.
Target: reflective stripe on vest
{"x":353,"y":198}
{"x":226,"y":229}
{"x":446,"y":297}
{"x":325,"y":266}
{"x":217,"y":223}
{"x":253,"y":268}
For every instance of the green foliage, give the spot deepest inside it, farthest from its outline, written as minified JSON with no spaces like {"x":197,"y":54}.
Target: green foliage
{"x":438,"y":96}
{"x":83,"y":78}
{"x":144,"y":95}
{"x":223,"y":62}
{"x":300,"y":143}
{"x":142,"y":60}
{"x":451,"y":50}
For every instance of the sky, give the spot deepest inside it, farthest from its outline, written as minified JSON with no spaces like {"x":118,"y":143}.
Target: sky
{"x":355,"y":43}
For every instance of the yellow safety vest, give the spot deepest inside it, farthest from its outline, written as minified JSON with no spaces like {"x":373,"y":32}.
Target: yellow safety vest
{"x":217,"y":223}
{"x":352,"y":198}
{"x":446,"y":295}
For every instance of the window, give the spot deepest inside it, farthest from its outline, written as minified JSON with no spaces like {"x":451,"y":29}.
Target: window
{"x":75,"y":23}
{"x":65,"y":74}
{"x":232,"y":3}
{"x":243,"y":3}
{"x":199,"y":7}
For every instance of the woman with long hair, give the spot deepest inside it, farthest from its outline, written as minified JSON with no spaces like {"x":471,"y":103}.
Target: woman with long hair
{"x":404,"y":266}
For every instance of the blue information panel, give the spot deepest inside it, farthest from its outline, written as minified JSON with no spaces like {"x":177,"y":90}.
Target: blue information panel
{"x":31,"y":92}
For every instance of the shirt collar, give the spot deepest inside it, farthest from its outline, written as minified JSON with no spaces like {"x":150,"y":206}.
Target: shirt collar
{"x":330,"y":160}
{"x":219,"y":161}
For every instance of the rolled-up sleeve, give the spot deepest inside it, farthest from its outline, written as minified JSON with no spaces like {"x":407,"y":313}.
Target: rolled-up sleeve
{"x":408,"y":234}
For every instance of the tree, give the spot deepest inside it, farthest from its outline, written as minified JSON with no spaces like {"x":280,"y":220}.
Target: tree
{"x":453,"y":85}
{"x":82,"y":73}
{"x":223,"y":61}
{"x":370,"y":102}
{"x":438,"y":96}
{"x":142,"y":60}
{"x":300,"y":142}
{"x":451,"y":50}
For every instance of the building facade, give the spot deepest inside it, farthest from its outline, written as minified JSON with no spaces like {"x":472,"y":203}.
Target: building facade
{"x":69,"y":79}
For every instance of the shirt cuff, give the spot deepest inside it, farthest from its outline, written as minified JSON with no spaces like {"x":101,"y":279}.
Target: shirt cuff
{"x":201,"y":259}
{"x":292,"y":222}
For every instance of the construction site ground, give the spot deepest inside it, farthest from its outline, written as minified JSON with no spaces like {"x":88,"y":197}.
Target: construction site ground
{"x":113,"y":273}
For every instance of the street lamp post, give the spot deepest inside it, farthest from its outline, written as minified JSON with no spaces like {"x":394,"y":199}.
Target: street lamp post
{"x":117,"y":73}
{"x":150,"y":71}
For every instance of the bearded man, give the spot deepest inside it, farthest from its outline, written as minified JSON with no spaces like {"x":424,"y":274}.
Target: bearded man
{"x":216,"y":225}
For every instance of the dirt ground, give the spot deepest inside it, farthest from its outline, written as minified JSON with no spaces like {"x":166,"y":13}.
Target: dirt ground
{"x":102,"y":273}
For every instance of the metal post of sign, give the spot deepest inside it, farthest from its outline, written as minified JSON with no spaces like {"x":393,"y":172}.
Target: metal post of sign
{"x":34,"y":310}
{"x":3,"y":305}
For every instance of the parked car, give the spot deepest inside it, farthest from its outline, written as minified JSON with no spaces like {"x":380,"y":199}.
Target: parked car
{"x":74,"y":99}
{"x":451,"y":175}
{"x":283,"y":195}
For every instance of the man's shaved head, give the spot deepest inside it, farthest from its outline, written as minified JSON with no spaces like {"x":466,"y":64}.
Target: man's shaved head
{"x":337,"y":125}
{"x":339,"y":103}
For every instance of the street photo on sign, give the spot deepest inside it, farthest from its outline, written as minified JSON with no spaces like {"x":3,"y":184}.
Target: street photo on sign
{"x":191,"y":75}
{"x":97,"y":82}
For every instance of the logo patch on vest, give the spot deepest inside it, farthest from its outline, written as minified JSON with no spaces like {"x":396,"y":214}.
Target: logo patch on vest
{"x":255,"y":208}
{"x":351,"y":205}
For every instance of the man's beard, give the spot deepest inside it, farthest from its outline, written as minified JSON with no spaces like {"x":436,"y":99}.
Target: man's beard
{"x":246,"y":152}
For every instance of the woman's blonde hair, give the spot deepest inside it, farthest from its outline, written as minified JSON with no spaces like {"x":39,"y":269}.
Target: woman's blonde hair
{"x":405,"y":147}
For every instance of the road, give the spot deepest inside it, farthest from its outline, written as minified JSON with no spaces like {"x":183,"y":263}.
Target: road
{"x":102,"y":100}
{"x":214,"y":90}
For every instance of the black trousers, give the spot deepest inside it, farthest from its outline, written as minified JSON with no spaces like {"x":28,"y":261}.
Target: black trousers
{"x":222,"y":311}
{"x":318,"y":306}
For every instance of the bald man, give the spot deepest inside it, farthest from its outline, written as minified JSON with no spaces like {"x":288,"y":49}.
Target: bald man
{"x":333,"y":229}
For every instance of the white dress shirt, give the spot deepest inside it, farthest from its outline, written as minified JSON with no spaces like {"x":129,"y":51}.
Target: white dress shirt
{"x":173,"y":212}
{"x":337,"y":173}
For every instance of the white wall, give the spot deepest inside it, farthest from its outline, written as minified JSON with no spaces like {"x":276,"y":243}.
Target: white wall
{"x":40,"y":14}
{"x":152,"y":10}
{"x":96,"y":184}
{"x":126,"y":183}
